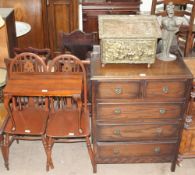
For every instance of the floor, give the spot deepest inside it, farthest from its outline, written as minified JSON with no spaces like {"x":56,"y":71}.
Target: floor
{"x":28,"y":158}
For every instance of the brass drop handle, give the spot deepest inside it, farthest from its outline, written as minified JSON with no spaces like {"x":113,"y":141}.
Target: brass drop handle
{"x":118,"y":91}
{"x":117,"y":132}
{"x":157,"y":150}
{"x":162,"y":111}
{"x":117,"y":111}
{"x":116,"y":152}
{"x":165,"y":89}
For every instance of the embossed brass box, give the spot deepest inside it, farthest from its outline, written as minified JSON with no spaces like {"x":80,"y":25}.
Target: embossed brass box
{"x":128,"y":39}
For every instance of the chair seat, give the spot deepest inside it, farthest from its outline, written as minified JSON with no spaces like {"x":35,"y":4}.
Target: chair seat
{"x":64,"y":123}
{"x":29,"y":121}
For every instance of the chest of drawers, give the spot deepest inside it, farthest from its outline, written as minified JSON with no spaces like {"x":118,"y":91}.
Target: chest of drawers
{"x":138,"y":113}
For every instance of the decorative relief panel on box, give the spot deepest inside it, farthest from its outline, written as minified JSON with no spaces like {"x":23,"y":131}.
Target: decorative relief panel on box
{"x":128,"y":51}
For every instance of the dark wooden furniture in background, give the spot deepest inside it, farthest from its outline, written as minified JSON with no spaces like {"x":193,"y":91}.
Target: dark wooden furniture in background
{"x":91,"y":10}
{"x":62,"y":17}
{"x":45,"y":54}
{"x":138,"y":112}
{"x":7,"y":35}
{"x":187,"y":146}
{"x":46,"y":17}
{"x":77,"y":43}
{"x":34,"y":13}
{"x":185,"y":31}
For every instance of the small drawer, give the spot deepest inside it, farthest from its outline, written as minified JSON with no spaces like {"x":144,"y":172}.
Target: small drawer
{"x":123,"y":111}
{"x":165,"y":89}
{"x":135,"y":132}
{"x":124,"y":150}
{"x":107,"y":90}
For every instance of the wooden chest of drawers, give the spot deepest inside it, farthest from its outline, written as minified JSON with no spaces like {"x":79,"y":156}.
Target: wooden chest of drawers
{"x":138,"y":113}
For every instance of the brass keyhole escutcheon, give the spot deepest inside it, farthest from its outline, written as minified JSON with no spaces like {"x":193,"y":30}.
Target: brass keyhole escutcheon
{"x":118,"y":91}
{"x":165,"y":89}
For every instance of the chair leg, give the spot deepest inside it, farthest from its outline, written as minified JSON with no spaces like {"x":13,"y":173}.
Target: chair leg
{"x":91,"y":154}
{"x":188,"y":45}
{"x":5,"y":151}
{"x":49,"y":142}
{"x":45,"y":145}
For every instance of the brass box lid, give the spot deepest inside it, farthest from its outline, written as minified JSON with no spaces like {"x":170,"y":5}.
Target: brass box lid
{"x":128,"y":26}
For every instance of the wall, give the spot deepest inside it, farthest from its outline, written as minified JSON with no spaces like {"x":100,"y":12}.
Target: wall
{"x":146,"y":5}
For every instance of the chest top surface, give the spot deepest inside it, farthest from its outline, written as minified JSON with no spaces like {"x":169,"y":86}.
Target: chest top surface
{"x":159,"y":70}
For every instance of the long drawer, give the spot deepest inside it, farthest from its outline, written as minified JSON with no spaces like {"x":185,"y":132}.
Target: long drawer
{"x":126,"y":150}
{"x":120,"y":111}
{"x":131,"y":132}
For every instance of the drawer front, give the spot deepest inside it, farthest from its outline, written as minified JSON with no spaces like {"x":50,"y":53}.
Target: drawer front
{"x":138,"y":111}
{"x":165,"y":89}
{"x":136,"y":132}
{"x":118,"y":90}
{"x":110,"y":150}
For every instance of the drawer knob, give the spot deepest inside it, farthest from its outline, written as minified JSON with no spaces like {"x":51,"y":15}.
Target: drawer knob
{"x":116,"y":152}
{"x":162,"y":111}
{"x":117,"y":111}
{"x":165,"y":89}
{"x":117,"y":132}
{"x":157,"y":150}
{"x":118,"y":91}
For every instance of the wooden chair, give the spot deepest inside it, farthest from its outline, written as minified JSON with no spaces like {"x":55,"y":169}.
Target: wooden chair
{"x":77,"y":43}
{"x":69,"y":116}
{"x":27,"y":115}
{"x":186,"y":10}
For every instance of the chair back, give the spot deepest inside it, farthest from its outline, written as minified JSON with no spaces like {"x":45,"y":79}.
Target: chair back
{"x":70,"y":64}
{"x":26,"y":62}
{"x":77,"y":43}
{"x":184,"y":9}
